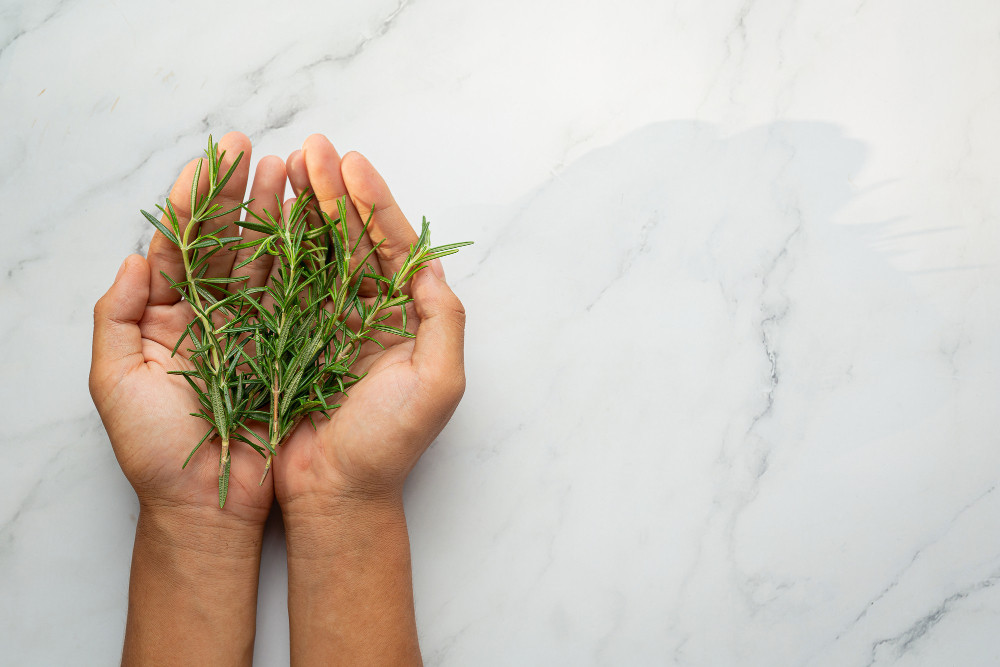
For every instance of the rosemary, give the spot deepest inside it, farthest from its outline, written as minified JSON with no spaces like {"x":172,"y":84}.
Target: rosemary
{"x":281,"y":353}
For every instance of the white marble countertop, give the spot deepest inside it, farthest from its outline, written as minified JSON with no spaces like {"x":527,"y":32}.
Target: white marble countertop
{"x":734,"y":311}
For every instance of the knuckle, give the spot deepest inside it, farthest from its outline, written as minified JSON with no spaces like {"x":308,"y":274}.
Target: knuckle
{"x":451,"y":308}
{"x":393,"y":251}
{"x":459,"y":317}
{"x":458,"y":386}
{"x":458,"y":307}
{"x":101,"y":309}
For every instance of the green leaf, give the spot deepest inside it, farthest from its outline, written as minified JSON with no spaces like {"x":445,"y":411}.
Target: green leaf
{"x":257,"y":448}
{"x":375,"y":276}
{"x":194,"y":188}
{"x":223,"y":213}
{"x":223,"y":281}
{"x":450,"y":246}
{"x":179,"y":341}
{"x":169,"y":279}
{"x":206,"y":242}
{"x":393,"y":330}
{"x":203,"y":439}
{"x":161,"y":227}
{"x":224,"y":483}
{"x":232,"y":170}
{"x":366,"y":337}
{"x":257,"y":227}
{"x":174,"y":220}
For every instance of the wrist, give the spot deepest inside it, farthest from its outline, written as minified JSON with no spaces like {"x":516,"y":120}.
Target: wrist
{"x":322,"y":491}
{"x":203,"y":533}
{"x":192,"y":589}
{"x":335,"y":525}
{"x":350,"y":593}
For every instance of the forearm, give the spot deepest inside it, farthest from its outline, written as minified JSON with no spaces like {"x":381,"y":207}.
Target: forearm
{"x":192,"y":590}
{"x":350,"y":591}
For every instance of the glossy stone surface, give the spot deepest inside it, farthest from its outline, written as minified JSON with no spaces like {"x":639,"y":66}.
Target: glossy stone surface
{"x":734,"y":311}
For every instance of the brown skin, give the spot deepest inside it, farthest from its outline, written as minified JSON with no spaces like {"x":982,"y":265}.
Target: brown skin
{"x":195,"y":567}
{"x":193,"y":587}
{"x":350,"y":598}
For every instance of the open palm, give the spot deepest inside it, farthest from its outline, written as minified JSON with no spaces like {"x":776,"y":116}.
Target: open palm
{"x":411,"y":387}
{"x":145,"y":410}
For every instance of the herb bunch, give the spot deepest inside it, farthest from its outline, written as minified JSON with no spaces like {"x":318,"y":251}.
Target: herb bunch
{"x":279,"y":354}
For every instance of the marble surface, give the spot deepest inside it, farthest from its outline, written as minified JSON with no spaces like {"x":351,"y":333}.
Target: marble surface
{"x":734,"y":311}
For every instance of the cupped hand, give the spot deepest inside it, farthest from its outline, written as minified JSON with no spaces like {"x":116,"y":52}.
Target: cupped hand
{"x":136,"y":324}
{"x":411,"y":387}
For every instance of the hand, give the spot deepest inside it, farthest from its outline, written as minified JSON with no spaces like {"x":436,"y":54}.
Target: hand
{"x":350,"y":594}
{"x":412,"y":387}
{"x":137,"y":323}
{"x":194,"y":566}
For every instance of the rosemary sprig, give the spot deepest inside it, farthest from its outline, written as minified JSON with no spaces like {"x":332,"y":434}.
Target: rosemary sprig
{"x":305,"y":345}
{"x":278,"y":354}
{"x":215,"y":334}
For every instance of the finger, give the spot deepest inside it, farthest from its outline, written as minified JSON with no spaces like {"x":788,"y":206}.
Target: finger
{"x":230,"y":147}
{"x":163,"y":256}
{"x":117,"y":341}
{"x":370,"y":194}
{"x":323,"y":169}
{"x":297,"y":174}
{"x":268,"y":189}
{"x":299,"y":178}
{"x":438,"y":352}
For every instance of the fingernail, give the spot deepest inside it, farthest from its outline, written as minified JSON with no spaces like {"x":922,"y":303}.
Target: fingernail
{"x":121,"y":269}
{"x":437,"y":268}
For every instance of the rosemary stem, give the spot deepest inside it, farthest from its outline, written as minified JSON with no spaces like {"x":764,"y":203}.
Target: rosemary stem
{"x":206,"y":325}
{"x":207,"y":330}
{"x":273,"y":427}
{"x":224,"y":457}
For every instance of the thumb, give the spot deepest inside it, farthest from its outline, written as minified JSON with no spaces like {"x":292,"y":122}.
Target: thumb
{"x":439,"y":350}
{"x":117,"y":342}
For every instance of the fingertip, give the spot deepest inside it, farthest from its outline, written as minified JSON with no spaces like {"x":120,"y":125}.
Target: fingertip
{"x":319,"y":153}
{"x":295,"y":165}
{"x":316,"y":141}
{"x":356,"y":169}
{"x":363,"y":181}
{"x":419,"y":287}
{"x":121,"y":269}
{"x":322,"y":168}
{"x":135,"y":269}
{"x":438,"y":268}
{"x":128,"y":295}
{"x":439,"y":348}
{"x":431,"y":291}
{"x":353,"y":159}
{"x":117,"y":339}
{"x":271,"y":167}
{"x":236,"y":140}
{"x":271,"y":162}
{"x":235,"y":146}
